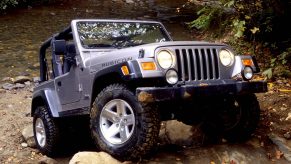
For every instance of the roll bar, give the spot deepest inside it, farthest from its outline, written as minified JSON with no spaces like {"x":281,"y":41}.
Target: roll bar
{"x":42,"y":52}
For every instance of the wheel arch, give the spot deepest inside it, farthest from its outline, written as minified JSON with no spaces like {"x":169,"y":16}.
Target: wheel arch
{"x":45,"y":98}
{"x":114,"y":74}
{"x":37,"y":101}
{"x":101,"y":82}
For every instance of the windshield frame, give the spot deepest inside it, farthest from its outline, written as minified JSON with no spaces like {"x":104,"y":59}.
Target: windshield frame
{"x":81,"y":47}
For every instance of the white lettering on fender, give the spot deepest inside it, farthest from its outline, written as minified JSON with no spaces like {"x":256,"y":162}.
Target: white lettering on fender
{"x":114,"y":62}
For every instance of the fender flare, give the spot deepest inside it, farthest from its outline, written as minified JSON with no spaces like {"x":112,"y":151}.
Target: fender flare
{"x":46,"y":97}
{"x":134,"y":74}
{"x":132,"y":66}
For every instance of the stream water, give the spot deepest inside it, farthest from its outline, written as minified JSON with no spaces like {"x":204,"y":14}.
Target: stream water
{"x":22,"y":31}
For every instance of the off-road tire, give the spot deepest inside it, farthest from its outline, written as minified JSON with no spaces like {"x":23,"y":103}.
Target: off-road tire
{"x":145,"y":133}
{"x":51,"y":146}
{"x":245,"y":125}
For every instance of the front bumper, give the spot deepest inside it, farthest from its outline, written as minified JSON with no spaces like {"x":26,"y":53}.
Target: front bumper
{"x":221,"y":87}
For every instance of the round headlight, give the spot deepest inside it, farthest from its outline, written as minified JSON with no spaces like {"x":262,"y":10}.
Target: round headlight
{"x":226,"y":58}
{"x":165,"y":59}
{"x":247,"y":73}
{"x":172,"y":76}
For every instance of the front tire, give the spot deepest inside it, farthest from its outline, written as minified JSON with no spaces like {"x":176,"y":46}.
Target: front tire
{"x":46,"y":132}
{"x":236,"y":120}
{"x":121,"y":126}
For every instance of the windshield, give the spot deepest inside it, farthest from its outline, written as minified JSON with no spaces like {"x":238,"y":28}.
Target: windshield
{"x":119,"y":34}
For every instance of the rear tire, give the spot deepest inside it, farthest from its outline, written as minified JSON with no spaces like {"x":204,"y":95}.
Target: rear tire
{"x":236,"y":121}
{"x":121,"y":126}
{"x":46,"y":132}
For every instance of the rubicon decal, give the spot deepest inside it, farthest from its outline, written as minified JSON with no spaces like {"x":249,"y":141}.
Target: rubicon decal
{"x":114,"y":62}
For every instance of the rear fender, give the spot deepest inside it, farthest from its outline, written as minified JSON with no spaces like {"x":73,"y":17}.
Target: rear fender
{"x":49,"y":98}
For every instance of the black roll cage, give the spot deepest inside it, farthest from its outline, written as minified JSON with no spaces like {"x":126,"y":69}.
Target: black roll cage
{"x":65,"y":34}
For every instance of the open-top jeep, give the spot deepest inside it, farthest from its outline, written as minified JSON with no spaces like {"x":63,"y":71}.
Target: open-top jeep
{"x":126,"y":76}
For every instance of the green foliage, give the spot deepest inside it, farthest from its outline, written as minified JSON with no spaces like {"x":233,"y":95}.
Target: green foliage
{"x":203,"y":21}
{"x":281,"y":61}
{"x":238,"y":28}
{"x":229,"y":3}
{"x":262,"y":23}
{"x":209,"y":18}
{"x":268,"y":73}
{"x":4,"y":4}
{"x":284,"y":57}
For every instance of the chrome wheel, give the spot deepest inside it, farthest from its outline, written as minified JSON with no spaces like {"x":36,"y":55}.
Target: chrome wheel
{"x":117,"y":121}
{"x":40,"y":132}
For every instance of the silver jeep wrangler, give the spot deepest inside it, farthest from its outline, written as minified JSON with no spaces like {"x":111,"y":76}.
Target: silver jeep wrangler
{"x":126,"y":76}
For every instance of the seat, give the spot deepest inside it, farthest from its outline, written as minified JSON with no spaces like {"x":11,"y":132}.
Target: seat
{"x":58,"y":50}
{"x":69,"y":57}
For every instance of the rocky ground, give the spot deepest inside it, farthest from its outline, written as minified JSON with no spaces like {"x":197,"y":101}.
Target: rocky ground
{"x":179,"y":143}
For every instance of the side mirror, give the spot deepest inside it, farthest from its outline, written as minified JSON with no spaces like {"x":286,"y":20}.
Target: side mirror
{"x":59,"y":47}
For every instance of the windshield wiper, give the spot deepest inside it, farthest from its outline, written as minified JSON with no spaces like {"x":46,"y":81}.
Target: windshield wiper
{"x":99,"y":45}
{"x":134,"y":44}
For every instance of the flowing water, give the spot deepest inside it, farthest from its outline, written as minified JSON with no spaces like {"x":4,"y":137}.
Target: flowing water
{"x":22,"y":31}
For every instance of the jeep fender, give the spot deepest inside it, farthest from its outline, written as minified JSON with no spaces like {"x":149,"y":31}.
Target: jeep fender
{"x":48,"y":98}
{"x":133,"y":67}
{"x":115,"y":74}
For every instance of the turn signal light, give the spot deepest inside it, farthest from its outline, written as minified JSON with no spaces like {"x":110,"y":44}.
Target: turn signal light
{"x":148,"y":66}
{"x":247,"y":62}
{"x":125,"y":70}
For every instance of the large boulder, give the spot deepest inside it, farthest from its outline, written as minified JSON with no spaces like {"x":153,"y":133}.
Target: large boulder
{"x":8,"y":86}
{"x":175,"y":132}
{"x":93,"y":158}
{"x":28,"y":136}
{"x":21,"y":79}
{"x":46,"y":160}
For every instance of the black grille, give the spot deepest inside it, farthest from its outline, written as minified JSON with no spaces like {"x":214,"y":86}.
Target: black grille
{"x":197,"y":64}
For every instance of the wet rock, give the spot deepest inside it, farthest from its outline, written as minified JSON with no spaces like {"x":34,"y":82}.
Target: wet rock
{"x":93,"y":157}
{"x":89,"y":11}
{"x":287,"y":135}
{"x":129,"y":1}
{"x":279,"y":81}
{"x":24,"y":144}
{"x":47,"y":160}
{"x":255,"y":142}
{"x":24,"y":74}
{"x":6,"y":79}
{"x":175,"y":132}
{"x":288,"y":117}
{"x":2,"y":91}
{"x":27,"y":83}
{"x":146,"y":16}
{"x":36,"y":65}
{"x":18,"y":85}
{"x":36,"y":79}
{"x":8,"y":86}
{"x":282,"y":144}
{"x":22,"y":154}
{"x":21,"y":79}
{"x":27,"y":134}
